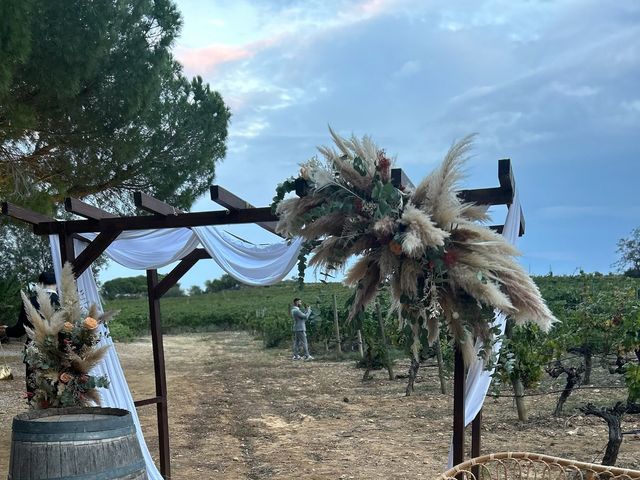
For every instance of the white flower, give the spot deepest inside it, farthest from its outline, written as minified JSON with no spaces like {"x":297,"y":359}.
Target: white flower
{"x":321,"y":177}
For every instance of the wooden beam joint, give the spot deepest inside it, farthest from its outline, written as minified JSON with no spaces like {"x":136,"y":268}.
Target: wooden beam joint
{"x":226,"y":199}
{"x":24,"y":214}
{"x":93,"y":251}
{"x":179,"y":270}
{"x":145,"y":222}
{"x":83,"y":209}
{"x":153,"y":205}
{"x":148,"y":401}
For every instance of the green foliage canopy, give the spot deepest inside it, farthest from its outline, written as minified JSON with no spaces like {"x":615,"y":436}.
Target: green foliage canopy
{"x":629,"y":251}
{"x":92,"y":103}
{"x":225,"y":282}
{"x":134,"y":287}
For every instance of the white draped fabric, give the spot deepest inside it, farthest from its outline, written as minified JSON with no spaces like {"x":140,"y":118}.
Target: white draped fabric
{"x":152,"y":249}
{"x":478,"y":378}
{"x":250,"y":264}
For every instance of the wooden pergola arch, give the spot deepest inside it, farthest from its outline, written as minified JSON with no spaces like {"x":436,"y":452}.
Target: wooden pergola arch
{"x":161,"y":215}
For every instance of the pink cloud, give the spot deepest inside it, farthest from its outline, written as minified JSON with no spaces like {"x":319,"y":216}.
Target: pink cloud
{"x":206,"y":59}
{"x":203,"y":60}
{"x":373,"y":7}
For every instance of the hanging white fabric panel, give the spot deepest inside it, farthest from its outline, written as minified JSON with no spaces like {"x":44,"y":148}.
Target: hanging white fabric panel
{"x":249,"y":264}
{"x":478,"y":378}
{"x":152,"y":249}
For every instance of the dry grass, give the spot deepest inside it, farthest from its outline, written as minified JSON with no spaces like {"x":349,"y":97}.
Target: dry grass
{"x":240,"y":412}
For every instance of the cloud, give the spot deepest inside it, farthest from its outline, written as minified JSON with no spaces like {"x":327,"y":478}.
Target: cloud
{"x":205,"y":59}
{"x":286,"y":26}
{"x":574,"y":91}
{"x":408,"y":68}
{"x":552,"y":85}
{"x":249,"y":129}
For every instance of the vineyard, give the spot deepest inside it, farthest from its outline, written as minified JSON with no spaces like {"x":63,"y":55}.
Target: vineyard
{"x":595,"y":346}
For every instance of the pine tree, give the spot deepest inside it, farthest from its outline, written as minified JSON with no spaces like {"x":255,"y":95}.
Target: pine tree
{"x":92,"y":103}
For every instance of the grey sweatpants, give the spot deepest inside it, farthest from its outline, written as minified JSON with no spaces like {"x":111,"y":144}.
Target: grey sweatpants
{"x":300,"y":342}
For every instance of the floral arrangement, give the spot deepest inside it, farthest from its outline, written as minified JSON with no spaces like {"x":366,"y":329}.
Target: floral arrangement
{"x":441,"y":264}
{"x":63,"y":349}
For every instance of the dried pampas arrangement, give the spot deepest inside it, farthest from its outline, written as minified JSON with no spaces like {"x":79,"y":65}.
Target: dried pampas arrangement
{"x":443,"y":267}
{"x":63,"y":348}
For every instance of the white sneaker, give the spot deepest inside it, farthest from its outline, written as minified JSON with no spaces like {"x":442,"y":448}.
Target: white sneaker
{"x":296,"y":357}
{"x":308,"y":357}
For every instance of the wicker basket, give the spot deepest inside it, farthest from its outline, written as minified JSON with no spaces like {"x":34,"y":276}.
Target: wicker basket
{"x":523,"y":465}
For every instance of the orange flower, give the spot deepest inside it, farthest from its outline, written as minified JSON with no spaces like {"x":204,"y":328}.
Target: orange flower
{"x":90,"y":323}
{"x":395,"y":247}
{"x":65,"y":377}
{"x":68,"y":327}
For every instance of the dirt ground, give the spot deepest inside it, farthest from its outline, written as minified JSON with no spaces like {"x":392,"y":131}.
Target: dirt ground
{"x":238,"y":411}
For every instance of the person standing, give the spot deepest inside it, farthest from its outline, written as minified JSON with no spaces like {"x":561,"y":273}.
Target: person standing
{"x":300,"y":330}
{"x":47,"y":282}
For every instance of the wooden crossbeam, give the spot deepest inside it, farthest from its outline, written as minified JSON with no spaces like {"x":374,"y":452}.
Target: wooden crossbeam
{"x":24,"y":214}
{"x":100,"y":243}
{"x":192,"y":219}
{"x":502,"y":195}
{"x":148,"y":401}
{"x":487,"y":196}
{"x":83,"y":209}
{"x":153,"y":205}
{"x":179,"y":270}
{"x":94,"y":250}
{"x":228,"y":200}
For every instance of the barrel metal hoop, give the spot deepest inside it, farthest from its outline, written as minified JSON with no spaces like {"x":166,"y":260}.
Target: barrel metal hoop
{"x":27,"y":425}
{"x":71,"y":437}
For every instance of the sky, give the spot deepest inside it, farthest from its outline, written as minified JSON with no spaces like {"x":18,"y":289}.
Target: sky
{"x":552,"y":85}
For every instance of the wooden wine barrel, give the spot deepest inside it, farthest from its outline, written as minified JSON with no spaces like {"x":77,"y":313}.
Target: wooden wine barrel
{"x":75,"y":443}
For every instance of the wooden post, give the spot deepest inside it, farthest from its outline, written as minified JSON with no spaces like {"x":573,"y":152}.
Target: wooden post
{"x":458,"y":408}
{"x":521,"y":404}
{"x":360,"y":346}
{"x":384,"y":342}
{"x":67,"y":251}
{"x":475,"y":441}
{"x":160,"y":374}
{"x":335,"y":319}
{"x":443,"y":384}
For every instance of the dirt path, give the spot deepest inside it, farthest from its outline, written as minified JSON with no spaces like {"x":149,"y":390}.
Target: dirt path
{"x":240,"y":412}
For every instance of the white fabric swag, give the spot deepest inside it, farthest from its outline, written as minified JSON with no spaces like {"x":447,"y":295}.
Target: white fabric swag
{"x":478,"y":378}
{"x":152,"y":249}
